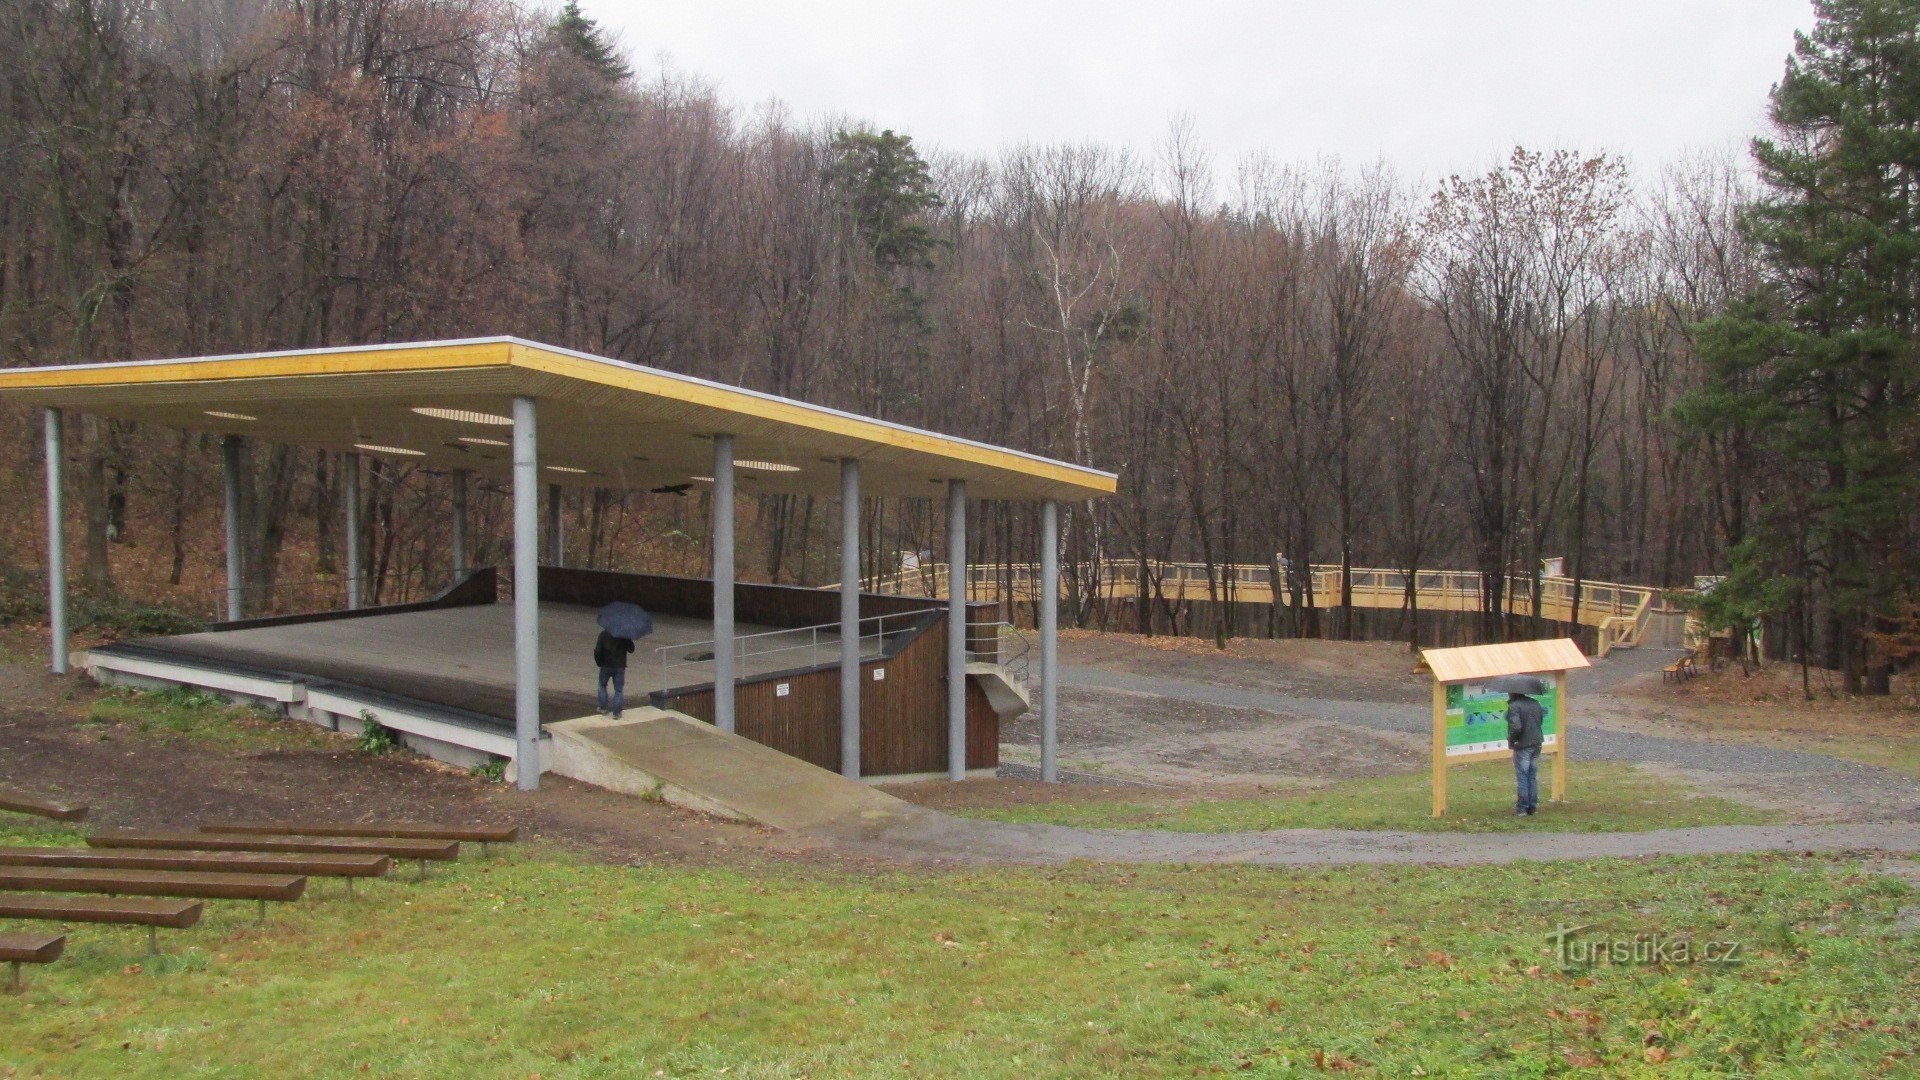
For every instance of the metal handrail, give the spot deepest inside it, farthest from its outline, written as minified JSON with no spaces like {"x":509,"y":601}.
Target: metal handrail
{"x":807,"y":640}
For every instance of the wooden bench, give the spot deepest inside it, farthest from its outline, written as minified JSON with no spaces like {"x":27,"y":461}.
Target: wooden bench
{"x":1680,"y":670}
{"x":218,"y":862}
{"x":282,"y":888}
{"x":423,"y":850}
{"x":402,"y":830}
{"x":25,"y":804}
{"x":152,"y":914}
{"x":17,"y":949}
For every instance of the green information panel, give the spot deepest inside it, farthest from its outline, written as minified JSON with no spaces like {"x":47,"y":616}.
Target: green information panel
{"x":1477,"y":717}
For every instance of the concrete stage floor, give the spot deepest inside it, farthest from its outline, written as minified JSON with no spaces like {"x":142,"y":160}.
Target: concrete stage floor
{"x":463,"y":657}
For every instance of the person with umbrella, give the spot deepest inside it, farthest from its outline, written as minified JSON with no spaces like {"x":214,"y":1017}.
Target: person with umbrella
{"x":620,"y":624}
{"x":1526,"y":720}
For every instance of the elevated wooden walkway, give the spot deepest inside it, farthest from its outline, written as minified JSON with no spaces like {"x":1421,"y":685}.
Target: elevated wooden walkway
{"x":1621,"y":613}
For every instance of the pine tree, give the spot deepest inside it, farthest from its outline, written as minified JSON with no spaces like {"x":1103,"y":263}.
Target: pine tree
{"x":887,"y":188}
{"x":584,"y":40}
{"x":1822,"y":363}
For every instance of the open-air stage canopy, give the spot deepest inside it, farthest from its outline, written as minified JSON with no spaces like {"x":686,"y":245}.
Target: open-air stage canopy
{"x":532,"y":414}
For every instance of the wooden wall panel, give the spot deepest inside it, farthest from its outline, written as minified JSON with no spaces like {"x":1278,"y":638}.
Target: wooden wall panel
{"x":903,"y":717}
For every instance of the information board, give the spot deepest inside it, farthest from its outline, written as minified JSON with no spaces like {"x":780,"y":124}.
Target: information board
{"x":1477,"y":717}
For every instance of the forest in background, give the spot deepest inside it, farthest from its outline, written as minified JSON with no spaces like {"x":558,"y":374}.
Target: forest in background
{"x":1286,"y":363}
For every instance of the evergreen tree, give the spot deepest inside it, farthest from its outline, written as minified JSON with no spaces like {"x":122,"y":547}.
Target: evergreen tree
{"x":1821,"y":364}
{"x":887,"y":188}
{"x":584,"y":40}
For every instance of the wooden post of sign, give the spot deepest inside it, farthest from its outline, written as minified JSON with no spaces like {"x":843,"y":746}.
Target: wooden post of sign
{"x":1559,"y":793}
{"x":1439,"y":749}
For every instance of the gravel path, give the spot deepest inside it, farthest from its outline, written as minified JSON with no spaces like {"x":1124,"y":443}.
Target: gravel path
{"x":1602,"y":730}
{"x":926,"y":835}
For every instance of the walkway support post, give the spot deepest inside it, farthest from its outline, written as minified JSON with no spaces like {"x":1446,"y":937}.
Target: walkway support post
{"x":56,"y":542}
{"x":723,"y":582}
{"x":526,"y":596}
{"x":850,"y":618}
{"x":230,"y":461}
{"x":350,"y":494}
{"x":460,"y":477}
{"x":956,"y":629}
{"x":1050,"y":642}
{"x":554,"y":540}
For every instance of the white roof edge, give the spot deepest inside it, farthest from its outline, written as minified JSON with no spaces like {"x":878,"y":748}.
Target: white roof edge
{"x":506,"y":339}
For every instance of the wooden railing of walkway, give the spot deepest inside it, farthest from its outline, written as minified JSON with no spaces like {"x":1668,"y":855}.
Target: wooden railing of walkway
{"x":1619,"y":612}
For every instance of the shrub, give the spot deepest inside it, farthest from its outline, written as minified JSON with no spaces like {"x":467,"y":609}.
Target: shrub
{"x":375,"y":737}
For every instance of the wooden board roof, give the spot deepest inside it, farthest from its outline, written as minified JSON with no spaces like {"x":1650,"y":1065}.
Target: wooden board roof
{"x":602,"y":422}
{"x":1510,"y":658}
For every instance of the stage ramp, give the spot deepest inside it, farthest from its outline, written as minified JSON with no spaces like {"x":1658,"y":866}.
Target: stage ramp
{"x":659,"y":754}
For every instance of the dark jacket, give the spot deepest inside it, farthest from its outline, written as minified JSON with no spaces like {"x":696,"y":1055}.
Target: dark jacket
{"x":1525,"y":718}
{"x":610,"y":651}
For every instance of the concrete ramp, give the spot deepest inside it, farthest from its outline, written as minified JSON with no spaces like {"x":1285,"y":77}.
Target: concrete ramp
{"x":656,"y":753}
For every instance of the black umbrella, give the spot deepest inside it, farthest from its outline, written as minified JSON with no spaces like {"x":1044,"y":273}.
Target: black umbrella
{"x":622,"y":619}
{"x":1517,"y":684}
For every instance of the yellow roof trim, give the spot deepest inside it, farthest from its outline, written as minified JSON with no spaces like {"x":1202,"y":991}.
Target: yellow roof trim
{"x":429,"y":357}
{"x":516,"y":361}
{"x":784,"y":411}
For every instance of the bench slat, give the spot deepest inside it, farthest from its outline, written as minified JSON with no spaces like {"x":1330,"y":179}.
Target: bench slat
{"x":32,"y":948}
{"x":205,"y":886}
{"x":480,"y":834}
{"x":22,"y":803}
{"x":175,"y":914}
{"x":229,"y":862}
{"x":440,"y":850}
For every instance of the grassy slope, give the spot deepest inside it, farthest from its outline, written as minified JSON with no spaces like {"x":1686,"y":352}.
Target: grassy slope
{"x":204,"y":718}
{"x":536,"y":964}
{"x":1602,"y":797}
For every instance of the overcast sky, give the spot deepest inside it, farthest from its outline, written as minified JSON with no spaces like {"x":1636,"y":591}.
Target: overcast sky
{"x":1431,"y":86}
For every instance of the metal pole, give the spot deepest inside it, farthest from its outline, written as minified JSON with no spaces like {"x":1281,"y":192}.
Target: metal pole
{"x":723,"y":582}
{"x":956,"y":629}
{"x":56,"y":543}
{"x":351,"y":495}
{"x":850,"y":618}
{"x":230,"y":458}
{"x":554,"y":557}
{"x":1050,"y":642}
{"x":460,"y":521}
{"x":526,"y":596}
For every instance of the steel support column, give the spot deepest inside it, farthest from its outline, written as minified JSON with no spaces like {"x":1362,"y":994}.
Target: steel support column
{"x":460,"y":477}
{"x":1050,"y":642}
{"x":230,"y":471}
{"x":956,"y":629}
{"x":350,"y":495}
{"x":526,"y":596}
{"x":556,"y":543}
{"x":723,"y":582}
{"x":850,"y":618}
{"x":56,"y":542}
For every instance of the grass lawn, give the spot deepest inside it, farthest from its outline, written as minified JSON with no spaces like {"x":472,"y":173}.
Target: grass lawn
{"x":1602,"y":796}
{"x":534,"y":963}
{"x":187,"y":713}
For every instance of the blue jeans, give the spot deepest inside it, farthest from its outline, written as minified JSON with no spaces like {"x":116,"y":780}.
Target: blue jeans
{"x":618,"y":677}
{"x":1526,"y":778}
